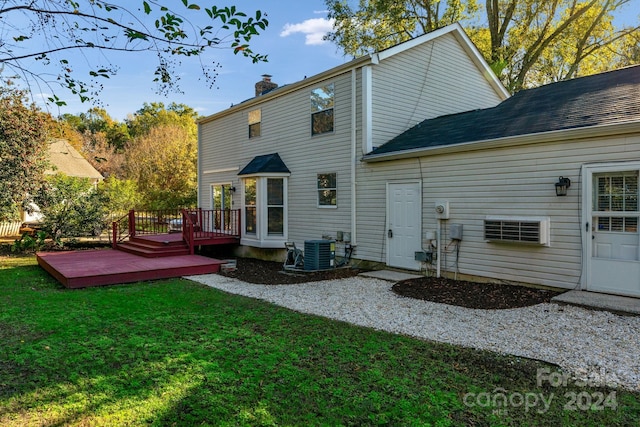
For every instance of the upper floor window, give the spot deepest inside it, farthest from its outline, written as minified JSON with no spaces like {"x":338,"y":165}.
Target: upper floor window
{"x":255,"y":117}
{"x":327,"y":191}
{"x":322,"y":109}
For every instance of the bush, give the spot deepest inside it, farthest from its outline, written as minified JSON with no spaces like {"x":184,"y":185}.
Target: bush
{"x":71,"y":207}
{"x":28,"y":243}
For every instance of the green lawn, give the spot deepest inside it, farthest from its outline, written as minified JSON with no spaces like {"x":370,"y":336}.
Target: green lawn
{"x":174,"y":352}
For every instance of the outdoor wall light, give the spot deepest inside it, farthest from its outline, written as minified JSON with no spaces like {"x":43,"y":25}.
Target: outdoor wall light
{"x":562,"y":185}
{"x":232,"y":189}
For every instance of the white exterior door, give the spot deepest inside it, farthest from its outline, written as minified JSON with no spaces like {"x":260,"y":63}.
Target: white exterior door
{"x":404,"y":220}
{"x":614,"y":261}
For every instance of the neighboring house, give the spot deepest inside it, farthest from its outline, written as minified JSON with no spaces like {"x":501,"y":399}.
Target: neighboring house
{"x":67,"y":160}
{"x":289,"y":158}
{"x":495,"y":170}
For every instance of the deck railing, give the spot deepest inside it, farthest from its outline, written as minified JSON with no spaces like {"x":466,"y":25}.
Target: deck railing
{"x":195,"y":224}
{"x":121,"y":229}
{"x":209,"y":224}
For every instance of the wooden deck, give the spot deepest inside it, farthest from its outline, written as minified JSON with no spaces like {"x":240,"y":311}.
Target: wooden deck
{"x":80,"y":269}
{"x":168,"y":245}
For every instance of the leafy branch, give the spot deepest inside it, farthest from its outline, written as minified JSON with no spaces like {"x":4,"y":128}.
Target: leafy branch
{"x":43,"y":30}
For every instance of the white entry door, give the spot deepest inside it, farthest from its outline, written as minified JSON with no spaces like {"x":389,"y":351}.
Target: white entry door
{"x":404,"y":220}
{"x":615,"y":255}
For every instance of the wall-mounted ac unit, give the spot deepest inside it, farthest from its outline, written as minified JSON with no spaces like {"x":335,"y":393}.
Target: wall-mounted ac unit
{"x":319,"y":254}
{"x":532,"y":230}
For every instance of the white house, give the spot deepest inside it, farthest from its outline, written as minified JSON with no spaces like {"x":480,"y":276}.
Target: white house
{"x":495,"y":172}
{"x":289,"y":158}
{"x":405,"y":149}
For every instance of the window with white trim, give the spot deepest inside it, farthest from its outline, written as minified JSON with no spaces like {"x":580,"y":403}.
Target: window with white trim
{"x":265,"y":211}
{"x":275,"y":206}
{"x":250,"y":226}
{"x":255,"y":119}
{"x":327,"y":190}
{"x":322,"y":109}
{"x":616,"y":202}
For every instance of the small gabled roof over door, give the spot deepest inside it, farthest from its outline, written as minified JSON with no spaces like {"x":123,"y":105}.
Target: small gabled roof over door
{"x":268,"y":163}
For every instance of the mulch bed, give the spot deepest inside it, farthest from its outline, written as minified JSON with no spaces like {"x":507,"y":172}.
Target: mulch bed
{"x":441,"y":290}
{"x":271,"y":273}
{"x":488,"y":296}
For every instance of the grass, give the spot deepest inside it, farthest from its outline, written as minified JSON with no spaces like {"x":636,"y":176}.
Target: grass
{"x":174,"y":352}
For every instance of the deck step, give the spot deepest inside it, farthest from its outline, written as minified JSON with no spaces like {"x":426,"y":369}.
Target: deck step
{"x":160,"y":241}
{"x":152,"y":251}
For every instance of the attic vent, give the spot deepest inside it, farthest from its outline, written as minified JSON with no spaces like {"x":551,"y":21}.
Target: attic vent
{"x":517,"y":230}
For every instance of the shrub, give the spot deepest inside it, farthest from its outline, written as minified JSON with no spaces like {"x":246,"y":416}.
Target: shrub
{"x":70,"y":207}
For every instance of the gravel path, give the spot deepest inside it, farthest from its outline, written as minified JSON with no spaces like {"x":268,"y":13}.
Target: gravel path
{"x":593,"y":345}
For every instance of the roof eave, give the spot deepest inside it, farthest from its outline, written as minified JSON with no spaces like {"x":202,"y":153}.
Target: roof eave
{"x":284,"y":90}
{"x":374,"y":58}
{"x":511,"y":141}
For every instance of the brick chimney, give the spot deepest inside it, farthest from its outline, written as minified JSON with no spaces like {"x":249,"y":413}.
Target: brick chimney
{"x":265,"y":85}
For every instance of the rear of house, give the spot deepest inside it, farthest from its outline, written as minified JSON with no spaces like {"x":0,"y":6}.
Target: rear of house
{"x":290,"y":158}
{"x":484,"y":183}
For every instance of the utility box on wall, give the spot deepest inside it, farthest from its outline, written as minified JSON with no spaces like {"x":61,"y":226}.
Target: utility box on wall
{"x":442,"y":209}
{"x":455,"y":231}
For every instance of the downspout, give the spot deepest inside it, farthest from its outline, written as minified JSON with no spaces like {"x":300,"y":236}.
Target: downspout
{"x":439,"y":252}
{"x":199,"y":166}
{"x":354,"y":116}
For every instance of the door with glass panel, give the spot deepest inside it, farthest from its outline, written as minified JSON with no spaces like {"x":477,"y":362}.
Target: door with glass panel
{"x":615,"y":254}
{"x":221,"y":203}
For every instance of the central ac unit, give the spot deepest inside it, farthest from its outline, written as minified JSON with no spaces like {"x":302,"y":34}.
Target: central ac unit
{"x":319,"y":254}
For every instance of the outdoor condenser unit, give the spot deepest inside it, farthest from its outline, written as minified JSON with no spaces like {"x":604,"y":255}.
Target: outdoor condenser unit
{"x":319,"y":254}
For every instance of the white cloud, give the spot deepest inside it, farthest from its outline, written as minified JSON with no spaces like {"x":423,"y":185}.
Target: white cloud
{"x":313,"y":29}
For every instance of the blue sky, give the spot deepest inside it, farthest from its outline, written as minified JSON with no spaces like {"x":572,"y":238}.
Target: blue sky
{"x":293,"y":42}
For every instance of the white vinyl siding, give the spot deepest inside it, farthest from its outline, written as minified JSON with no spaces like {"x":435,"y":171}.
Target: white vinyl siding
{"x":451,"y":84}
{"x":516,"y":182}
{"x":401,"y":96}
{"x":225,"y":144}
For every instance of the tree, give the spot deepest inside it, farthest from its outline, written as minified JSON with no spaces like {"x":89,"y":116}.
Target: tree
{"x":96,"y":124}
{"x":527,"y":42}
{"x":50,"y":30}
{"x":378,"y":24}
{"x":23,"y":151}
{"x":103,"y":139}
{"x":163,"y":164}
{"x":156,"y":114}
{"x":118,"y":195}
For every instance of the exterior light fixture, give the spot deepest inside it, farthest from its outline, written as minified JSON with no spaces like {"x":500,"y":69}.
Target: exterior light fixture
{"x":562,"y":185}
{"x":232,"y":189}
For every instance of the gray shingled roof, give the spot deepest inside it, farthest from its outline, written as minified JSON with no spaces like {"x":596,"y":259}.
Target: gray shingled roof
{"x":602,"y":99}
{"x":268,"y":163}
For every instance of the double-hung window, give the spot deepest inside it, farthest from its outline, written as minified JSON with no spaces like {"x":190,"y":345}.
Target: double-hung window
{"x":322,"y":109}
{"x":255,"y":118}
{"x":250,"y":224}
{"x":327,"y":190}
